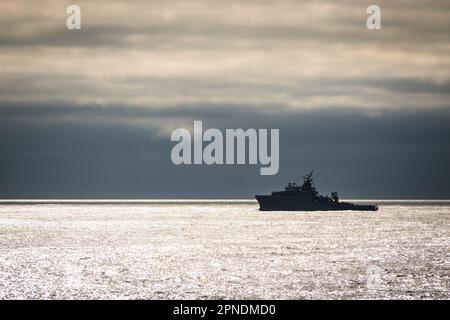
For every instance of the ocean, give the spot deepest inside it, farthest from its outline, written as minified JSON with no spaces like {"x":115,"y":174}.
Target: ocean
{"x":221,"y":250}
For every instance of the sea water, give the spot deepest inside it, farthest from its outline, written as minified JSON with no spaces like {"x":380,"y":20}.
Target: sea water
{"x":221,"y":250}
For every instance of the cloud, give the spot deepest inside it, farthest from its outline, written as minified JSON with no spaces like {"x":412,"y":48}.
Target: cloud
{"x":299,"y":126}
{"x":304,"y":54}
{"x":121,"y":151}
{"x":88,"y":113}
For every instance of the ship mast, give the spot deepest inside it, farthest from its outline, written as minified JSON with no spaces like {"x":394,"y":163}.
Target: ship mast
{"x":307,"y":178}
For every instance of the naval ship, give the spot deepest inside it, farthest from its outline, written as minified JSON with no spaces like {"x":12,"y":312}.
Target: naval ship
{"x":306,"y":198}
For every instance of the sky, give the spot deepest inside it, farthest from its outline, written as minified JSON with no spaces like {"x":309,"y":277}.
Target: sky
{"x":88,"y":113}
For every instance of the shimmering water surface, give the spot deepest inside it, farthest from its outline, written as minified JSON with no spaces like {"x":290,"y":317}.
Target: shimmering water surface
{"x":222,"y":250}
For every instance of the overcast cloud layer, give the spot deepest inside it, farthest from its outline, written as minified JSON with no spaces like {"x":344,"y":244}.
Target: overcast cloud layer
{"x":302,"y":54}
{"x":90,"y":111}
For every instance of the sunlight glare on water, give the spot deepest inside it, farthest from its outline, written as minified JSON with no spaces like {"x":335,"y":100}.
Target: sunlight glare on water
{"x":222,"y":250}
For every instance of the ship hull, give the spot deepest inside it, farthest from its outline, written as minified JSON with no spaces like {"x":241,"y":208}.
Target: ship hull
{"x":273,"y":203}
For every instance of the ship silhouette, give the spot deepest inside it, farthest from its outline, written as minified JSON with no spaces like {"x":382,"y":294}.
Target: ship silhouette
{"x":305,"y":197}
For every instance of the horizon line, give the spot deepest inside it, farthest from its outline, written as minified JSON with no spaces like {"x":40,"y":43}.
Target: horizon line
{"x":105,"y":201}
